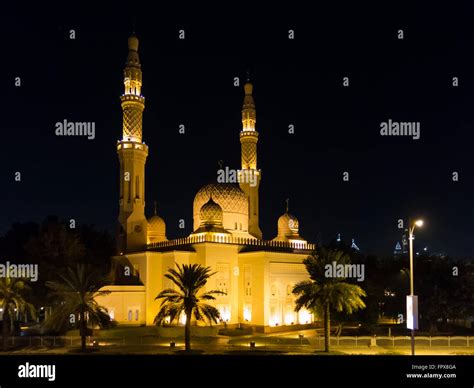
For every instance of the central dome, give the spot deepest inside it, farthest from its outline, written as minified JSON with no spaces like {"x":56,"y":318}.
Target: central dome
{"x":230,"y":198}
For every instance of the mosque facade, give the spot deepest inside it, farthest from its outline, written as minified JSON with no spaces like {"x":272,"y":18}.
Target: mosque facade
{"x":256,"y":275}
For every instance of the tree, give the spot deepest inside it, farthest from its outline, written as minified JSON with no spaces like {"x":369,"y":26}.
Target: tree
{"x":13,"y":242}
{"x":13,"y":303}
{"x":445,"y":289}
{"x":54,"y":246}
{"x":322,"y":293}
{"x":189,"y":279}
{"x":76,"y":291}
{"x":55,"y":243}
{"x":374,"y":285}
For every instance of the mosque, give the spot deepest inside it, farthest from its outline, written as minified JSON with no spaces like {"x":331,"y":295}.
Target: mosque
{"x":257,"y":275}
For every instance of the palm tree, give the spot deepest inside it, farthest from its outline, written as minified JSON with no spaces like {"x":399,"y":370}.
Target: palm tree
{"x":189,"y":279}
{"x":12,"y":302}
{"x":77,"y":290}
{"x":322,"y":293}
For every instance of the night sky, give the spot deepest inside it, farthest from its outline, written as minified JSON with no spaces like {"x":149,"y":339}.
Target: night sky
{"x":296,"y":82}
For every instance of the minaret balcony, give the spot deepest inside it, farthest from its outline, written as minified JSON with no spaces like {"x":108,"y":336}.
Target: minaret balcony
{"x":124,"y":144}
{"x":132,"y":97}
{"x":248,"y":133}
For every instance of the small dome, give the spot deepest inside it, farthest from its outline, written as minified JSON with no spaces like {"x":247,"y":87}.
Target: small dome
{"x":156,"y":229}
{"x":288,"y":225}
{"x":211,"y":213}
{"x":156,"y":222}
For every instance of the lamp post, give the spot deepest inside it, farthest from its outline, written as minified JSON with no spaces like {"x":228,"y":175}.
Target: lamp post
{"x":411,"y":228}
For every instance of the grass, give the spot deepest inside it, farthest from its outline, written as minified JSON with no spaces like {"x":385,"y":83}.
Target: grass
{"x":330,"y":353}
{"x":127,"y":332}
{"x":268,"y":340}
{"x":235,"y":332}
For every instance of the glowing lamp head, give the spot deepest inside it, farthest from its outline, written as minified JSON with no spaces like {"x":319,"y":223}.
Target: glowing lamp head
{"x":419,"y":223}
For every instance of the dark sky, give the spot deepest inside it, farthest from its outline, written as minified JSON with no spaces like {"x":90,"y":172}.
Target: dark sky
{"x":296,"y":82}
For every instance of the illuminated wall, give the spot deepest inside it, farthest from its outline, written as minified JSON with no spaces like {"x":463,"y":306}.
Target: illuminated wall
{"x":257,"y":284}
{"x":126,"y":304}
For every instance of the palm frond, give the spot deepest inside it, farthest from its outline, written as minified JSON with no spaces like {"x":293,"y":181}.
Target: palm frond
{"x":189,"y":279}
{"x":76,"y":290}
{"x":316,"y":293}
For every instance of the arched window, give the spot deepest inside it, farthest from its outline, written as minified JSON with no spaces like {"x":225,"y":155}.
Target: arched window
{"x":130,"y":315}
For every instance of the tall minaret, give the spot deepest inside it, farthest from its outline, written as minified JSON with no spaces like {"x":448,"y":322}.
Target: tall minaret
{"x":250,"y":176}
{"x":132,"y":153}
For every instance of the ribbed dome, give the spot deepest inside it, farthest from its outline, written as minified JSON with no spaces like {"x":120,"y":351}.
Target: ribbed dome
{"x":229,"y":197}
{"x":211,"y":214}
{"x":156,"y":229}
{"x":288,"y":225}
{"x":156,"y":223}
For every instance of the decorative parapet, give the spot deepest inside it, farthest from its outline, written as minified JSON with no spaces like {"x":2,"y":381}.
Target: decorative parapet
{"x":226,"y":239}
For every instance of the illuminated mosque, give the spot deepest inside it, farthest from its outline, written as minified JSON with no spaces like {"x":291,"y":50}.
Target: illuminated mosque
{"x":256,"y":275}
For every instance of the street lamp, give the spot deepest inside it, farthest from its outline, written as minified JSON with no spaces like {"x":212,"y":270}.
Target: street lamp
{"x":414,"y":309}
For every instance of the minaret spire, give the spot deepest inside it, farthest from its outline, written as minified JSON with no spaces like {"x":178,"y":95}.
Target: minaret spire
{"x":132,"y":152}
{"x":249,"y":114}
{"x":134,"y":23}
{"x":249,"y":177}
{"x":133,"y":103}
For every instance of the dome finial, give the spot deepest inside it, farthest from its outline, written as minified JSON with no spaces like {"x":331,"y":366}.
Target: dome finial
{"x":287,"y":204}
{"x":154,"y":204}
{"x":248,"y":75}
{"x":134,"y":23}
